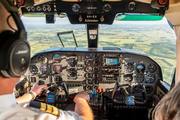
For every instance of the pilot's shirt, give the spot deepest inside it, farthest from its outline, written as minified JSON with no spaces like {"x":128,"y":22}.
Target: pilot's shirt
{"x":9,"y":110}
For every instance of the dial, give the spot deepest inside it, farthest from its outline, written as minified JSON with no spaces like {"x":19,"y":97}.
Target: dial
{"x":90,"y":81}
{"x":76,"y":8}
{"x":95,"y":75}
{"x":89,"y":69}
{"x":72,"y":62}
{"x":57,"y":58}
{"x":33,"y":69}
{"x":57,"y":69}
{"x":43,"y":69}
{"x":150,"y":78}
{"x":136,"y":89}
{"x":139,"y":78}
{"x":107,"y":8}
{"x":130,"y":67}
{"x":89,"y":62}
{"x":151,"y":68}
{"x":128,"y":78}
{"x":42,"y":59}
{"x":140,"y":68}
{"x":88,"y":55}
{"x":88,"y":75}
{"x":96,"y":69}
{"x":149,"y":89}
{"x":58,"y":80}
{"x":96,"y":56}
{"x":132,"y":6}
{"x":96,"y":62}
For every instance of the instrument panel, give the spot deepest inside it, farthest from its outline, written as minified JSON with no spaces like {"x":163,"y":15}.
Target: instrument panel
{"x":87,"y":70}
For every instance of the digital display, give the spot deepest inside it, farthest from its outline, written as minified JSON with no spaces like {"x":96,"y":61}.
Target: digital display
{"x":57,"y":69}
{"x":112,"y":61}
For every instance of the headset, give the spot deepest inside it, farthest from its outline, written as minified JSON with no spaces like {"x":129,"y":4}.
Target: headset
{"x":14,"y":47}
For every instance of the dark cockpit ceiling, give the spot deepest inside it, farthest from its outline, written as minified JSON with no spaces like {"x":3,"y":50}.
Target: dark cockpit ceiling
{"x":94,"y":11}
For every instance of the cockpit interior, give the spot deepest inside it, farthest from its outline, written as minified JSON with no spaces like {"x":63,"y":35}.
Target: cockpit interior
{"x":121,"y":82}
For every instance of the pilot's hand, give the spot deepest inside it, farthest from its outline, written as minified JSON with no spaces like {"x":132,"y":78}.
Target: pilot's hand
{"x":83,"y":95}
{"x":37,"y":89}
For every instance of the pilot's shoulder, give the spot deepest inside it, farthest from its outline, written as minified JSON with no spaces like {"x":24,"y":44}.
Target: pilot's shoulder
{"x":38,"y":111}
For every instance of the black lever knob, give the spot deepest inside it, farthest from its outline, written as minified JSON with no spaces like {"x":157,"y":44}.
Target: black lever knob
{"x":40,"y":82}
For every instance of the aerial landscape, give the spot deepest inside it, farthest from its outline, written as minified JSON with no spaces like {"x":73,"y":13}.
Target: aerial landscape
{"x":157,"y":40}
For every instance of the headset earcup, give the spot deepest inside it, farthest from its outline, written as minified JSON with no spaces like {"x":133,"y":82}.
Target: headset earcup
{"x":16,"y":55}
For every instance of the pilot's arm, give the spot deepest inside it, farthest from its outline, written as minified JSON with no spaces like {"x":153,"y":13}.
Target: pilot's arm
{"x":35,"y":90}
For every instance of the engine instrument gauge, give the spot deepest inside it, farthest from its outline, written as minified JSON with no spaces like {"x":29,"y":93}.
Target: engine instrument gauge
{"x":42,"y":59}
{"x":96,"y":56}
{"x":88,"y":55}
{"x":149,"y":89}
{"x":72,"y":62}
{"x":96,"y":62}
{"x":43,"y":69}
{"x":96,"y":69}
{"x":150,"y":78}
{"x":89,"y":69}
{"x":95,"y":75}
{"x":129,"y":67}
{"x":139,"y":78}
{"x":128,"y":78}
{"x":57,"y":69}
{"x":57,"y":58}
{"x":151,"y":68}
{"x":33,"y":69}
{"x":140,"y":68}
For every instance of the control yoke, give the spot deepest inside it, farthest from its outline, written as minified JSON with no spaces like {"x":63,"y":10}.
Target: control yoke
{"x":129,"y":100}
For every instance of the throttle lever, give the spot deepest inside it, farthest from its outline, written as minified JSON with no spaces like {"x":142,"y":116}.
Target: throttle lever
{"x":63,"y":85}
{"x":40,"y":82}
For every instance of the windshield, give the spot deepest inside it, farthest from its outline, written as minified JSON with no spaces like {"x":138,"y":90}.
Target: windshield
{"x":156,"y":39}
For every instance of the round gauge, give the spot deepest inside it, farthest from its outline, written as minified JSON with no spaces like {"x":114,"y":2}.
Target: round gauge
{"x":95,"y":75}
{"x":89,"y":69}
{"x":72,"y":62}
{"x":139,"y":78}
{"x":43,"y":69}
{"x":96,"y":62}
{"x":96,"y":69}
{"x":151,"y":68}
{"x":57,"y":58}
{"x":132,"y":6}
{"x":57,"y":69}
{"x":88,"y":55}
{"x":136,"y":89}
{"x":106,"y":7}
{"x":42,"y":59}
{"x":150,"y":78}
{"x":90,"y":81}
{"x":129,"y":67}
{"x":149,"y":89}
{"x":88,"y":75}
{"x":75,"y":8}
{"x":128,"y":78}
{"x":140,"y":68}
{"x":33,"y":69}
{"x":89,"y":62}
{"x":58,"y":80}
{"x":96,"y":56}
